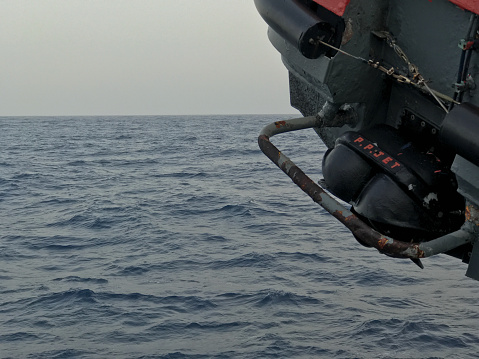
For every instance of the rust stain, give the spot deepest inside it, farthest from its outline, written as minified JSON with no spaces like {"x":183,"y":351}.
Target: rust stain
{"x":279,"y":124}
{"x":348,"y":32}
{"x":471,"y":215}
{"x":419,"y":252}
{"x":382,"y":242}
{"x":337,"y":214}
{"x":468,"y":213}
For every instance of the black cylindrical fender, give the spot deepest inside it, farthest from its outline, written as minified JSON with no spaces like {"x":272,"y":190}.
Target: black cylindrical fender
{"x":299,"y":25}
{"x":460,"y":131}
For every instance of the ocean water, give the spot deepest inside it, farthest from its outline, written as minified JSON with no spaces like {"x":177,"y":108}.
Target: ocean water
{"x":175,"y":237}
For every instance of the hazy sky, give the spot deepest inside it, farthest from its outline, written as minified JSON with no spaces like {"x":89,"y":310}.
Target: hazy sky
{"x":113,"y":57}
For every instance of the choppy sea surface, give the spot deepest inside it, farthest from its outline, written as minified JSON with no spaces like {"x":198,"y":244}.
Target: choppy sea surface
{"x":175,"y":237}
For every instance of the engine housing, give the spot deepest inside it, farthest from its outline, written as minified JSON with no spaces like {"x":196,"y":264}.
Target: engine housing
{"x":399,"y":189}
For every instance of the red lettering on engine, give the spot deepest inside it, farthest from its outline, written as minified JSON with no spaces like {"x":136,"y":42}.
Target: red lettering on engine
{"x":377,"y":154}
{"x":387,"y":160}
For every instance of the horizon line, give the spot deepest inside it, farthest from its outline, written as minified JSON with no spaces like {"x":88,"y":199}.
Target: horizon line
{"x":147,"y":115}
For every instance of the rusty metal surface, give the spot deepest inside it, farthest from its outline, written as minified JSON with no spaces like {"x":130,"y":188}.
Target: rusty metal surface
{"x":360,"y":229}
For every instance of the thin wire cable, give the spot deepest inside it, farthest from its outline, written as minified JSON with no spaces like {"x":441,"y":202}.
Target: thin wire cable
{"x":421,"y":83}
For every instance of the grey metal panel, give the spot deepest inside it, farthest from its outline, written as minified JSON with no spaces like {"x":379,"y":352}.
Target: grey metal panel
{"x":429,"y":33}
{"x":473,"y":268}
{"x":467,"y":175}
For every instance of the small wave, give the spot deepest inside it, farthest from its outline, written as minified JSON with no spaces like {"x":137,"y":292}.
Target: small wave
{"x":45,"y":324}
{"x":183,"y":303}
{"x":58,"y":201}
{"x":18,"y":336}
{"x":378,"y":327}
{"x":62,"y":354}
{"x":236,"y":210}
{"x":63,"y":247}
{"x":26,"y":175}
{"x":273,"y":298}
{"x":225,"y":212}
{"x":215,"y":326}
{"x":216,"y":238}
{"x":169,"y":328}
{"x":80,"y":220}
{"x":180,"y":355}
{"x":248,"y":260}
{"x":14,"y":255}
{"x":76,"y":279}
{"x":169,"y":266}
{"x":100,"y":223}
{"x":303,"y":257}
{"x":77,"y":163}
{"x":267,"y":298}
{"x":243,"y":211}
{"x":65,"y":298}
{"x":124,"y":137}
{"x":402,"y":302}
{"x":133,"y":270}
{"x":138,"y":162}
{"x":57,"y":242}
{"x":76,"y":219}
{"x":368,"y":277}
{"x":184,"y":174}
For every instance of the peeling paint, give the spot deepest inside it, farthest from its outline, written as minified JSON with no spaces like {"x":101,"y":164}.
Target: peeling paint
{"x":430,"y":197}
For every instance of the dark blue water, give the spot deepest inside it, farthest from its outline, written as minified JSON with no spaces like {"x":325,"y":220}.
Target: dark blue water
{"x":175,"y":237}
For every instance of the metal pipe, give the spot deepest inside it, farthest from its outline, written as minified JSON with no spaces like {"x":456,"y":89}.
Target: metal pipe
{"x":446,"y":243}
{"x":360,"y":229}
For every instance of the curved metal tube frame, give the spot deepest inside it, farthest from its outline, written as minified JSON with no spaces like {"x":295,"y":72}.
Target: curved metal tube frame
{"x":360,"y":229}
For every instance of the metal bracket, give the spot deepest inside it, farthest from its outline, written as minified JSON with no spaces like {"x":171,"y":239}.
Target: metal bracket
{"x":360,"y":229}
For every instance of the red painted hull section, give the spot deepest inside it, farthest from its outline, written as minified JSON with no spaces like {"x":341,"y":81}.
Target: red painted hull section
{"x":471,"y":5}
{"x":336,"y":6}
{"x":339,"y":6}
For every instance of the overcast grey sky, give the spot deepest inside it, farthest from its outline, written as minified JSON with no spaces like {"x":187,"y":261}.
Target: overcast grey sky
{"x":134,"y":57}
